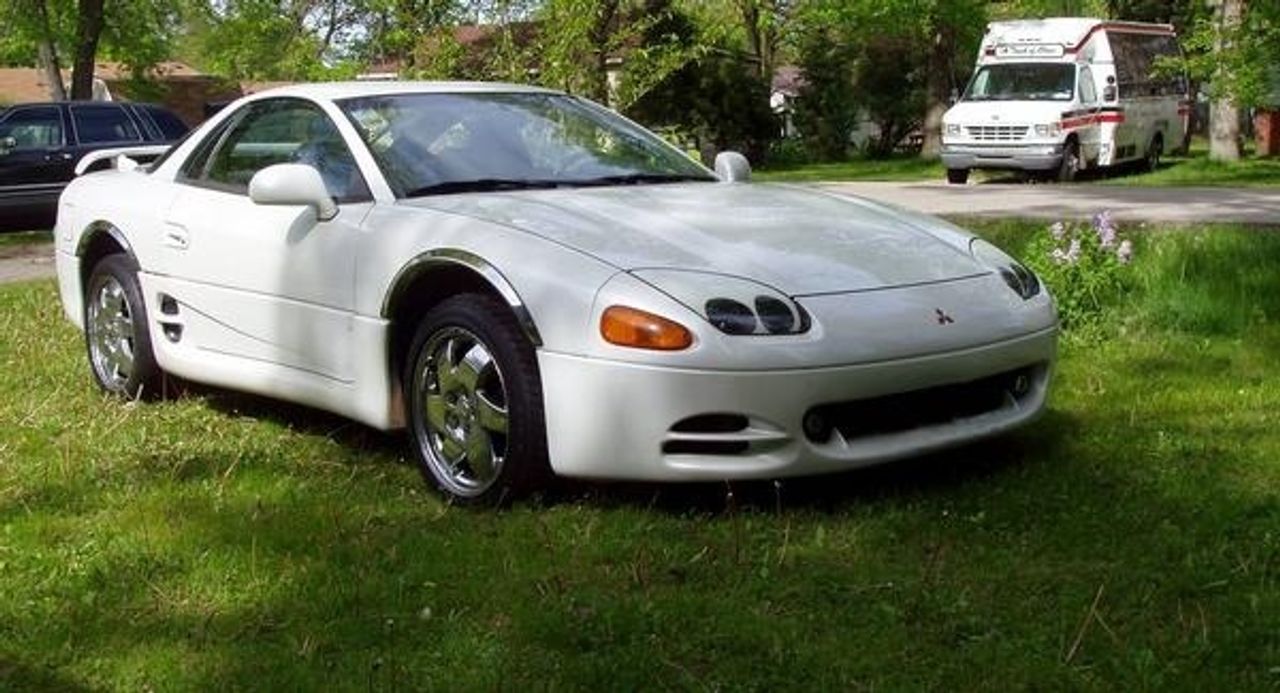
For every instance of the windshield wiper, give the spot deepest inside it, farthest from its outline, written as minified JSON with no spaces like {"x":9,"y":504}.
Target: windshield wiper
{"x":641,"y":178}
{"x":482,"y":185}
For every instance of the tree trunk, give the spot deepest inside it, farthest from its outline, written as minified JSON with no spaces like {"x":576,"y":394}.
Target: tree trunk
{"x":48,"y":54}
{"x":89,"y":23}
{"x":1224,"y":113}
{"x":937,"y":88}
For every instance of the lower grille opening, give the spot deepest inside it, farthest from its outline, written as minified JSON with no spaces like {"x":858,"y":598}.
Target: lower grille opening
{"x":711,"y":423}
{"x":705,"y":447}
{"x":907,"y":410}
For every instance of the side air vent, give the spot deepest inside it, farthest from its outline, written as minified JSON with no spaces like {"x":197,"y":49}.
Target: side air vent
{"x":721,"y":434}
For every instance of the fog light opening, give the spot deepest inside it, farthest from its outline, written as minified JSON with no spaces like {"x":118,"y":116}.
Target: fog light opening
{"x":816,"y":427}
{"x":1021,"y":385}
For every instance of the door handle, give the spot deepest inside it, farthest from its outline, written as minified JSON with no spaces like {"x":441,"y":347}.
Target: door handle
{"x":176,"y":237}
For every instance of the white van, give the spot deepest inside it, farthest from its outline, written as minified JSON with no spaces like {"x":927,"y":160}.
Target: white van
{"x":1055,"y":96}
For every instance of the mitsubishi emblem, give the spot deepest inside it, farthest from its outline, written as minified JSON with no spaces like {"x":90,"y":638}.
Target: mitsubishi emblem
{"x":943,"y":318}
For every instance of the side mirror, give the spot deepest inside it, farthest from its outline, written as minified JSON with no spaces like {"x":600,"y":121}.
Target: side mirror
{"x":7,"y":144}
{"x":955,"y":96}
{"x":732,"y":167}
{"x":293,"y":184}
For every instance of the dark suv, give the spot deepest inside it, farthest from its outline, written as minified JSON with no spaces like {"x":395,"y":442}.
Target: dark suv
{"x":40,"y":144}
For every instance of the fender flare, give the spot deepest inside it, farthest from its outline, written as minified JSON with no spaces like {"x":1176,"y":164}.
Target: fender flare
{"x":103,"y":227}
{"x":454,"y":257}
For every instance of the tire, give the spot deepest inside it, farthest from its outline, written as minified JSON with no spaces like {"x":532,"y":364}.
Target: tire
{"x":473,"y":403}
{"x":957,"y":176}
{"x":1070,"y":165}
{"x":1154,"y":151}
{"x":117,"y":338}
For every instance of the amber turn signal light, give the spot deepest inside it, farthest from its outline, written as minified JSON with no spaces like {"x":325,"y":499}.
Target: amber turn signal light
{"x":631,"y":327}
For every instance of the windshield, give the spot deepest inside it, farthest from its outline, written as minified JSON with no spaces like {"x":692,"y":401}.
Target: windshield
{"x":1023,"y":82}
{"x":446,"y":143}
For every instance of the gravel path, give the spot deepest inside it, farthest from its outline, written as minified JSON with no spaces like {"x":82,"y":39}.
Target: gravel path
{"x":1077,"y":201}
{"x":24,"y":262}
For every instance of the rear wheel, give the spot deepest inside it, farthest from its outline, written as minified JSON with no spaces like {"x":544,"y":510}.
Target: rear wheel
{"x":958,"y":176}
{"x":116,"y":335}
{"x":474,"y":403}
{"x":1154,"y":151}
{"x":1070,"y":164}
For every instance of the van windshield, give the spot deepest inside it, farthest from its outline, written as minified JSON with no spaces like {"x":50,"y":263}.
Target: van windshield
{"x":1023,"y":82}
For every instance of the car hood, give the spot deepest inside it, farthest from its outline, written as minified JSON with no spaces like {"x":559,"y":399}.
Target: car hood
{"x":797,"y":240}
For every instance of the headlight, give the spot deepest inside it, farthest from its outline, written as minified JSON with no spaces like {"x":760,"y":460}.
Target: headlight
{"x":1022,"y":280}
{"x":953,"y":128}
{"x":731,"y":304}
{"x":1049,"y":130}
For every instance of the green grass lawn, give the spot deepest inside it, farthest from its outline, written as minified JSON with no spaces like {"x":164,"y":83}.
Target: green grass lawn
{"x":900,"y":168}
{"x":1129,"y":540}
{"x":19,"y":238}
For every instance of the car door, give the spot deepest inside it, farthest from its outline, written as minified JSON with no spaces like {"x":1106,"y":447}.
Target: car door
{"x":1091,"y":134}
{"x":32,"y":150}
{"x":262,"y":282}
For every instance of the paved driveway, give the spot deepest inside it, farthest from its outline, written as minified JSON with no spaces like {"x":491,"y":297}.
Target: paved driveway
{"x":22,"y":262}
{"x":1077,"y":201}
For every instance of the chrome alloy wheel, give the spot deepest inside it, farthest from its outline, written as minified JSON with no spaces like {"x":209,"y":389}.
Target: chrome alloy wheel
{"x":111,"y":336}
{"x":463,"y":419}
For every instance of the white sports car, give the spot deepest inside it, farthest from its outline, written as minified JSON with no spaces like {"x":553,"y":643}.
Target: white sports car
{"x":531,"y":284}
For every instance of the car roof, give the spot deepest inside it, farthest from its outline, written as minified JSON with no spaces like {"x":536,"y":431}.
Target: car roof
{"x":345,"y":90}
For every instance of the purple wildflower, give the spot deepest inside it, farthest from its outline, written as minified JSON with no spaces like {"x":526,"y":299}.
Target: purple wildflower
{"x":1125,"y":252}
{"x":1106,"y":229}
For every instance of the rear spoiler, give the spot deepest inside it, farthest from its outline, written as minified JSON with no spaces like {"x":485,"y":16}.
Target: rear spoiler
{"x":122,"y":158}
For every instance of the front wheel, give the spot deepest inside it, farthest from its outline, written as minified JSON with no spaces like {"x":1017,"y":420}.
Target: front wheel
{"x":1070,"y":165}
{"x":116,"y":335}
{"x":474,"y":403}
{"x":957,"y":176}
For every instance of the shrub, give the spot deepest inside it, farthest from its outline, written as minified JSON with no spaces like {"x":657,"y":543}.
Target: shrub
{"x":1085,"y":266}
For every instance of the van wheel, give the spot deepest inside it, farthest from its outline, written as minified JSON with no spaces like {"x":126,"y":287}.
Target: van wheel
{"x":1070,"y":165}
{"x":958,"y":176}
{"x":1154,"y":150}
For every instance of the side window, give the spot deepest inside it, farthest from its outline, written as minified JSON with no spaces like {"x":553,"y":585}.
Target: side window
{"x":171,"y":127}
{"x":286,"y":131}
{"x":33,"y":128}
{"x":1088,"y":90}
{"x":105,"y":123}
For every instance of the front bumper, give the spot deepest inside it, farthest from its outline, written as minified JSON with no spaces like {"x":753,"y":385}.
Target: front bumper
{"x":1038,"y":157}
{"x":616,"y":420}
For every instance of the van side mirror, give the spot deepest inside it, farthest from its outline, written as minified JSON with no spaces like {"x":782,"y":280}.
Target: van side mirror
{"x":293,"y":184}
{"x":7,"y":144}
{"x":1109,"y":93}
{"x":955,"y":96}
{"x":732,"y":167}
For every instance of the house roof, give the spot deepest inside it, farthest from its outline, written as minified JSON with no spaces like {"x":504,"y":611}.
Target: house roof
{"x":23,"y":84}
